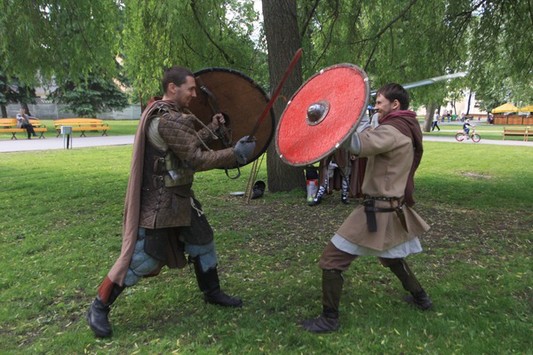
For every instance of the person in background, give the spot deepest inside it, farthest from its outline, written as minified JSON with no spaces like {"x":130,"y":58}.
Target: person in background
{"x":466,"y":128}
{"x":23,"y":121}
{"x":435,"y":123}
{"x":163,"y":220}
{"x":338,"y":163}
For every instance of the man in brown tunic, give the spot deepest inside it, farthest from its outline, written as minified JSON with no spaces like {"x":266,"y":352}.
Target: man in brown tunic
{"x":385,"y":225}
{"x":162,"y":218}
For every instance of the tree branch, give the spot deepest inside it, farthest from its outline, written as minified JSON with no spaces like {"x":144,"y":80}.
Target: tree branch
{"x":389,"y":25}
{"x":308,"y":20}
{"x":204,"y":30}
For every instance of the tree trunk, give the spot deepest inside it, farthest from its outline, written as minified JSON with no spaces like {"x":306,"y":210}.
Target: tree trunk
{"x":430,"y":111}
{"x":25,"y":106}
{"x":283,"y":40}
{"x":468,"y":104}
{"x":4,"y":111}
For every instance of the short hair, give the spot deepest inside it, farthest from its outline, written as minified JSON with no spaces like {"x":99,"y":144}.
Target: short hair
{"x":393,"y":92}
{"x":177,"y":75}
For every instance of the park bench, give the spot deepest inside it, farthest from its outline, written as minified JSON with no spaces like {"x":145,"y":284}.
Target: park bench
{"x":9,"y":125}
{"x":82,"y":125}
{"x":515,"y":131}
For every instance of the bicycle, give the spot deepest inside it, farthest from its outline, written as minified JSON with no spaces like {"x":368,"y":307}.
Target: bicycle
{"x":461,"y":136}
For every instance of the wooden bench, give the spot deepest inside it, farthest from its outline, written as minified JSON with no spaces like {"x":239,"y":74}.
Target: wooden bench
{"x":9,"y":125}
{"x":82,"y":125}
{"x":515,"y":131}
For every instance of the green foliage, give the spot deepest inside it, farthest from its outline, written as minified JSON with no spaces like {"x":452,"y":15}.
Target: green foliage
{"x":61,"y":231}
{"x":406,"y":41}
{"x":402,"y":41}
{"x":12,"y":91}
{"x":63,"y":39}
{"x":193,"y":34}
{"x":87,"y":98}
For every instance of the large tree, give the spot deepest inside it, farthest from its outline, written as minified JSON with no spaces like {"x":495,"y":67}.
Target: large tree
{"x":282,"y":33}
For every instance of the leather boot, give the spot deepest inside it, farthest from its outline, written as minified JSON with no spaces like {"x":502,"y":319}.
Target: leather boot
{"x":209,"y":284}
{"x":97,"y":316}
{"x":328,"y":321}
{"x":418,"y":296}
{"x":420,"y":300}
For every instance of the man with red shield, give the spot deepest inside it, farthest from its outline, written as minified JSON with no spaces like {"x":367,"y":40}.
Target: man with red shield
{"x":385,"y":225}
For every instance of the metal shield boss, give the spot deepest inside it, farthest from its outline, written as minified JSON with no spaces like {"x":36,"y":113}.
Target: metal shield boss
{"x":241,"y":101}
{"x":322,"y":114}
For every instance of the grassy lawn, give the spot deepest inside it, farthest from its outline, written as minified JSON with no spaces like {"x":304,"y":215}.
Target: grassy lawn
{"x":60,"y":232}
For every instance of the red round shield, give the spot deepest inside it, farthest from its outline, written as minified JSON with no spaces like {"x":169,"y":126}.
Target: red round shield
{"x":322,"y":114}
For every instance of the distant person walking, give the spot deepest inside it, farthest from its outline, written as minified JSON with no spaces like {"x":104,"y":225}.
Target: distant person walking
{"x":435,"y":123}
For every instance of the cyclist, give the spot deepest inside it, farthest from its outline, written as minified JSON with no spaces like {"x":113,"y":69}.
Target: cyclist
{"x":466,"y":128}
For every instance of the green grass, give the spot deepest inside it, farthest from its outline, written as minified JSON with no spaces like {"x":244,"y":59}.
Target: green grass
{"x":60,"y":232}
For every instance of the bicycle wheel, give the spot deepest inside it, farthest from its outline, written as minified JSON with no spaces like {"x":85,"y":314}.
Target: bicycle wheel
{"x":459,"y":137}
{"x":476,"y":138}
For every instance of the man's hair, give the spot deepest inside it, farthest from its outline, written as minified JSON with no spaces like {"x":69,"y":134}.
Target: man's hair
{"x":393,"y":92}
{"x":176,"y":75}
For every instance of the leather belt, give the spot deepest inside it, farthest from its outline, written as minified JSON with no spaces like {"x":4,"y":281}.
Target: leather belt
{"x":371,"y":210}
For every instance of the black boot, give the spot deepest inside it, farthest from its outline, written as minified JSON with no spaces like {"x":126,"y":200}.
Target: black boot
{"x":418,"y":296}
{"x":209,"y":284}
{"x":328,"y":321}
{"x":97,"y":316}
{"x":420,"y":300}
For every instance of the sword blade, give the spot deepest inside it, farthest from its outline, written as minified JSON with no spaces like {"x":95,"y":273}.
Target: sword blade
{"x":276,"y":93}
{"x":429,"y":81}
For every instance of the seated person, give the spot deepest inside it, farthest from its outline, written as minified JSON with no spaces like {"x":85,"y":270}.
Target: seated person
{"x":23,"y":121}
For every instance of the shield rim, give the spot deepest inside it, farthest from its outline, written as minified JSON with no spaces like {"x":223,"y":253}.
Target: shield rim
{"x":335,"y":146}
{"x":261,"y":90}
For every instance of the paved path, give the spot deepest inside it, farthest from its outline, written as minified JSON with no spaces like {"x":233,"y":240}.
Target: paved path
{"x":22,"y":145}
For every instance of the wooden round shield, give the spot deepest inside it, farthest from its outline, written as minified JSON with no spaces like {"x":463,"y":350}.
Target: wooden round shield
{"x":322,"y":114}
{"x":241,"y":101}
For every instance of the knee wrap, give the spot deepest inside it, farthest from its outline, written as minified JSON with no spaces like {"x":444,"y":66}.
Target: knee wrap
{"x":206,"y":254}
{"x":141,"y":264}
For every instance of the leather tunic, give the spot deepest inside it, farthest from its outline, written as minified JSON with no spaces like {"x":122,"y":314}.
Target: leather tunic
{"x":166,"y":202}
